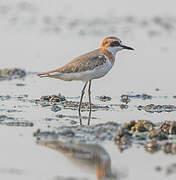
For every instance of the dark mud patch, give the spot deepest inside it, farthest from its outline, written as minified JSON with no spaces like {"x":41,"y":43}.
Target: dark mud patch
{"x":4,"y":98}
{"x":63,"y":119}
{"x":82,"y":134}
{"x":55,"y":108}
{"x":72,"y":117}
{"x":10,"y":110}
{"x":18,"y":123}
{"x":53,"y":98}
{"x":11,"y":121}
{"x":57,"y":102}
{"x":5,"y":118}
{"x":16,"y":98}
{"x":104,"y":98}
{"x":14,"y":73}
{"x":152,"y":108}
{"x":153,"y":137}
{"x":20,"y":84}
{"x":73,"y":105}
{"x":126,"y":98}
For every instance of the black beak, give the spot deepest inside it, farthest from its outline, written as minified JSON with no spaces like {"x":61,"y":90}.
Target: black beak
{"x":126,"y":47}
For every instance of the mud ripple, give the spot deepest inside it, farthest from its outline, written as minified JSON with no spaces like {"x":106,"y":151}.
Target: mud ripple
{"x":11,"y":121}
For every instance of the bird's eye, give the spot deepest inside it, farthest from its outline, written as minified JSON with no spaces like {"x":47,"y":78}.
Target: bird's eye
{"x":115,"y":43}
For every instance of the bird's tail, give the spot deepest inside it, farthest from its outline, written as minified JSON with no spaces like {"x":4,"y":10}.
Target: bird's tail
{"x":41,"y":75}
{"x":49,"y":73}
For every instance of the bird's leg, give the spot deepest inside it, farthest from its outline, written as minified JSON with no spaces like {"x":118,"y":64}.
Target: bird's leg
{"x":79,"y":109}
{"x":90,"y":104}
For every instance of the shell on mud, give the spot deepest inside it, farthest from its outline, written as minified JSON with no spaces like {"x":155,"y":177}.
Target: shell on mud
{"x":125,"y":99}
{"x":157,"y":134}
{"x":129,"y":125}
{"x":123,"y":106}
{"x":122,"y":136}
{"x":139,"y":126}
{"x":169,"y":148}
{"x":104,"y":98}
{"x":152,"y":147}
{"x":53,"y":98}
{"x":142,"y":126}
{"x":169,"y":127}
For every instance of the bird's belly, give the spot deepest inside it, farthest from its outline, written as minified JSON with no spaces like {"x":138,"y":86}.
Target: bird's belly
{"x":96,"y":73}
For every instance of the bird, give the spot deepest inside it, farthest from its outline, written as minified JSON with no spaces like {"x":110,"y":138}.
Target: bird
{"x":89,"y":66}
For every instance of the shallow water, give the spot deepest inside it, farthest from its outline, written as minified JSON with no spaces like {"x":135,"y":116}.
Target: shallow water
{"x":42,"y":35}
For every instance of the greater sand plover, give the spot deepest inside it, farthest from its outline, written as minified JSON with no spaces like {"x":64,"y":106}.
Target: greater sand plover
{"x":92,"y":65}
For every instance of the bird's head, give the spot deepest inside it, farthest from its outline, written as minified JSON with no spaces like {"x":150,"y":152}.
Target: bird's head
{"x":113,"y":45}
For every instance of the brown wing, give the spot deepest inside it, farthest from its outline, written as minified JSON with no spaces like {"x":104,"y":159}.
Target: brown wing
{"x":82,"y":63}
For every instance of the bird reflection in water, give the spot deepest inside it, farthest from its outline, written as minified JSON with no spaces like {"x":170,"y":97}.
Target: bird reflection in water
{"x":93,"y":154}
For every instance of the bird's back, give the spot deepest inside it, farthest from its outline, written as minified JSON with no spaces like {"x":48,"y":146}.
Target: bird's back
{"x":82,"y":63}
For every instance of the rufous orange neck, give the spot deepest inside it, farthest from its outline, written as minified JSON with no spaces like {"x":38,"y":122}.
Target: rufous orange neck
{"x":109,"y":55}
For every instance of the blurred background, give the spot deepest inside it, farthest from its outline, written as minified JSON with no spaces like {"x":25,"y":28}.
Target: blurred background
{"x":39,"y":35}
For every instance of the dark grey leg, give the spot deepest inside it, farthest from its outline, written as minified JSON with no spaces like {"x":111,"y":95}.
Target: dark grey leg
{"x":90,"y":104}
{"x":79,"y":109}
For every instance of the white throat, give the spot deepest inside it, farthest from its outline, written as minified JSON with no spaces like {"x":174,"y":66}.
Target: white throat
{"x":114,"y":50}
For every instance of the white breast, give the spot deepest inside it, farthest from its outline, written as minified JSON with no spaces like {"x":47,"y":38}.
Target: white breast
{"x":96,"y":73}
{"x":102,"y":70}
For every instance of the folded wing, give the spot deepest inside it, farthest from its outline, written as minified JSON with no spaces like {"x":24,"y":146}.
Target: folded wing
{"x":82,"y":63}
